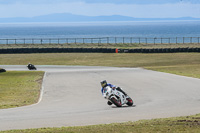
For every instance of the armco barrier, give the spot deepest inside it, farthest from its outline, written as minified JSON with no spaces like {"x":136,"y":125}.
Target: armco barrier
{"x":96,"y":50}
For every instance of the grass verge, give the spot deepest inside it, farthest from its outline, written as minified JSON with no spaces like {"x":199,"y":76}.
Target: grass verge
{"x":19,"y":88}
{"x":102,"y":45}
{"x":103,"y":59}
{"x":187,"y":64}
{"x":189,"y":124}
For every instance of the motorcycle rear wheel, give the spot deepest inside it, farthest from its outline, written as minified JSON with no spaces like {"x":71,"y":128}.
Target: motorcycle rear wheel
{"x":114,"y":101}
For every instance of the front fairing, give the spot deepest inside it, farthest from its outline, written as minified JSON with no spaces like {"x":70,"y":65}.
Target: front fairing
{"x":107,"y":92}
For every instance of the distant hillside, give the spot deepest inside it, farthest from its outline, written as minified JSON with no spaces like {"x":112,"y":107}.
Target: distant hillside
{"x":66,"y":17}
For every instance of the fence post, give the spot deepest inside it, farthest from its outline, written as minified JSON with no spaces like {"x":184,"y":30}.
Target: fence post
{"x":99,"y":40}
{"x":139,"y":40}
{"x":183,"y":40}
{"x":107,"y":40}
{"x":67,"y":40}
{"x":15,"y":41}
{"x":131,"y":40}
{"x":169,"y":41}
{"x":146,"y":40}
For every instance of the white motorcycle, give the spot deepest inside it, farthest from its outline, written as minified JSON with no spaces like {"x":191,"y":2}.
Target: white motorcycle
{"x":116,"y":97}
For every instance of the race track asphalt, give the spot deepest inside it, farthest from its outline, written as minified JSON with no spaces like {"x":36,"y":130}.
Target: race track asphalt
{"x":71,"y":96}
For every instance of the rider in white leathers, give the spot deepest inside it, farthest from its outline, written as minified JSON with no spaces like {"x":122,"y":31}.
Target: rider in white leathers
{"x":104,"y":84}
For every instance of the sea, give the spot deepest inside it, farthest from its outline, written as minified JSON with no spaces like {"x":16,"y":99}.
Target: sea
{"x":164,"y":29}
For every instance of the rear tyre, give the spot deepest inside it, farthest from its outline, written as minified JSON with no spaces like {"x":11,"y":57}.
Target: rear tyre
{"x":115,"y":102}
{"x":130,"y":101}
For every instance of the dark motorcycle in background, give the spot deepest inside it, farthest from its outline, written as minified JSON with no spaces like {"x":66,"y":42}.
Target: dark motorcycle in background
{"x":31,"y":67}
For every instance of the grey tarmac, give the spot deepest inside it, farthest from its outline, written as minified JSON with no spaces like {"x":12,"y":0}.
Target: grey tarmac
{"x":71,"y":96}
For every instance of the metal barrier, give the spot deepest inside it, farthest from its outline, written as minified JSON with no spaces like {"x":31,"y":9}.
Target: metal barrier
{"x":103,"y":40}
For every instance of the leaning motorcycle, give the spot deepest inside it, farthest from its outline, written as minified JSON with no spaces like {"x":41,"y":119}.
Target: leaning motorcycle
{"x":31,"y":67}
{"x":116,"y":97}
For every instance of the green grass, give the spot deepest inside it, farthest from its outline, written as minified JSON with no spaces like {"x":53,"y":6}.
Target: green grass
{"x":189,"y":124}
{"x":19,"y":88}
{"x":184,"y":70}
{"x":102,"y":59}
{"x":187,"y":64}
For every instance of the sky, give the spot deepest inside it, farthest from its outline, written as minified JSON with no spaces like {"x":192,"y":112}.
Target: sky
{"x":131,"y":8}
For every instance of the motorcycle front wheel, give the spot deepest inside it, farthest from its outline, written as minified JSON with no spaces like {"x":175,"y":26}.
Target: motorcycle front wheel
{"x":116,"y":102}
{"x":130,"y":101}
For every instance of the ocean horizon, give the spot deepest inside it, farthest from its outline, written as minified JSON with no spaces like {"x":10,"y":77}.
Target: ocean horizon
{"x":97,"y":23}
{"x":143,"y":29}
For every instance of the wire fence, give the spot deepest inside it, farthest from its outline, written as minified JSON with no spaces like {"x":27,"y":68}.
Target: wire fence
{"x":104,"y":40}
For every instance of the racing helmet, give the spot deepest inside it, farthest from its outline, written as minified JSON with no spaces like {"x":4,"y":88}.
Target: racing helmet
{"x":104,"y":83}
